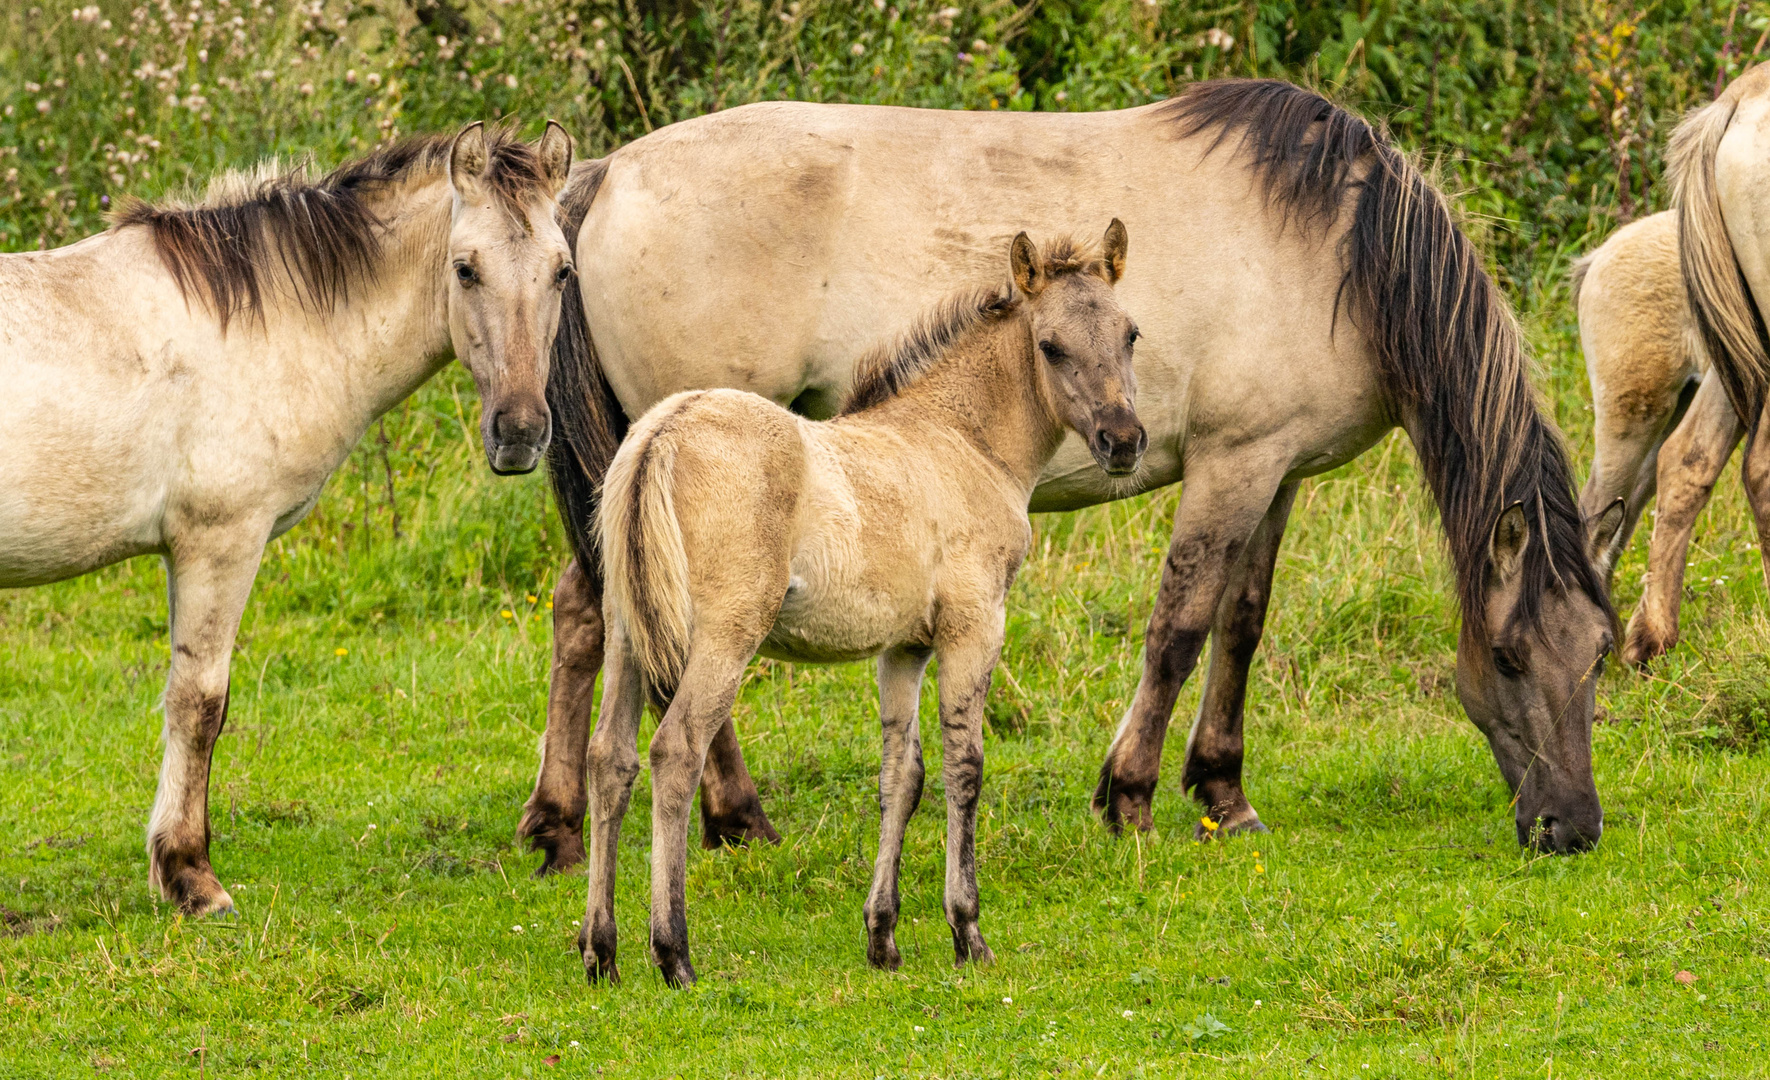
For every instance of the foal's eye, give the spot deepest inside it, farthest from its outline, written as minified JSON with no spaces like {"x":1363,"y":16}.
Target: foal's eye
{"x":1507,"y":664}
{"x":1051,"y":351}
{"x":465,"y":274}
{"x":564,"y":275}
{"x":1131,"y":338}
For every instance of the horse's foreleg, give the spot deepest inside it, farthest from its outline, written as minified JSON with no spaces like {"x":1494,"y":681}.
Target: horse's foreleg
{"x":965,"y":670}
{"x":613,"y":764}
{"x":1214,"y":750}
{"x":731,"y":808}
{"x":678,"y":751}
{"x":553,"y":818}
{"x":1689,"y":464}
{"x":1217,"y":515}
{"x":208,"y":581}
{"x":900,"y":791}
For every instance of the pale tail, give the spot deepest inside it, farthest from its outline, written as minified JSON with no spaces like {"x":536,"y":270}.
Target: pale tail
{"x":643,"y":557}
{"x":1731,"y":328}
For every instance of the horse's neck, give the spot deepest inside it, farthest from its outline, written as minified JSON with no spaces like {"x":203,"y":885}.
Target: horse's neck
{"x":391,"y":333}
{"x":988,"y":391}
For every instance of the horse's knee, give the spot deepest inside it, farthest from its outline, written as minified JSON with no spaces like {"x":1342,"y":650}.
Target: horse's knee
{"x":577,"y":619}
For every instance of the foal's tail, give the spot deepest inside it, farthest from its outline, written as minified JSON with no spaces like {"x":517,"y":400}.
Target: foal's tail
{"x":1729,"y":323}
{"x":587,"y":419}
{"x":642,"y":551}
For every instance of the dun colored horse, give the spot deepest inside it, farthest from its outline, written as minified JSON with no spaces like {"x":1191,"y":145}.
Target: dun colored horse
{"x":184,"y":383}
{"x":1302,"y":288}
{"x":730,"y":525}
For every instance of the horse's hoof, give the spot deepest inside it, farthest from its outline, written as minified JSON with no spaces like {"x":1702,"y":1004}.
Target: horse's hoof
{"x":745,"y":826}
{"x":678,"y":973}
{"x":882,"y":953}
{"x":1234,"y":823}
{"x":1122,"y":803}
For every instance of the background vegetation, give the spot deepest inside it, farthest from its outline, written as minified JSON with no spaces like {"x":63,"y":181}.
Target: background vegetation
{"x":390,"y":679}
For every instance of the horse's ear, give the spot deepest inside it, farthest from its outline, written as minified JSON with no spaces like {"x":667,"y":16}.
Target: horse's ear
{"x":1511,"y":535}
{"x":468,"y":158}
{"x":555,"y":152}
{"x":1113,"y":252}
{"x":1601,"y":531}
{"x":1028,"y":268}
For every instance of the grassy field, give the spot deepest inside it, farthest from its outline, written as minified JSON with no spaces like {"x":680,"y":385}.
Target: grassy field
{"x":390,"y":684}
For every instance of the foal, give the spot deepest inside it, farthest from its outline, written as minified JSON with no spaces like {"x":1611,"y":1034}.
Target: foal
{"x":731,"y":525}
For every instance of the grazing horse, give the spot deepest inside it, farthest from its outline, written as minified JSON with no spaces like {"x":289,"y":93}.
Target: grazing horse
{"x":1302,"y":289}
{"x":1659,"y":423}
{"x":184,"y":383}
{"x":730,"y":525}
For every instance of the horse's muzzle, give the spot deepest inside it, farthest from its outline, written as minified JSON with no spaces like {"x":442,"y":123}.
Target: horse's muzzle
{"x":516,"y":439}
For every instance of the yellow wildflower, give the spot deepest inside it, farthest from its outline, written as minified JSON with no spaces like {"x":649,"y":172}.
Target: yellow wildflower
{"x":1210,"y":826}
{"x":340,"y":652}
{"x":507,"y":614}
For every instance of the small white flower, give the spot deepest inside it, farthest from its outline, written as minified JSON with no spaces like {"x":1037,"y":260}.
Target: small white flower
{"x":510,"y":81}
{"x":918,"y":1027}
{"x":1007,"y":1001}
{"x":1127,"y":1014}
{"x":574,"y":1041}
{"x":371,"y":824}
{"x":857,"y":48}
{"x":517,"y":929}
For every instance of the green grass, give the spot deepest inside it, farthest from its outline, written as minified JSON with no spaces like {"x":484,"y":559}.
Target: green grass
{"x":382,"y":740}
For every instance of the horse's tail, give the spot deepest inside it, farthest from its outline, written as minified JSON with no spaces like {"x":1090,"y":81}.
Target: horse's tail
{"x":587,"y":419}
{"x":642,"y":551}
{"x":1576,"y":277}
{"x":1727,"y":320}
{"x":1443,"y":335}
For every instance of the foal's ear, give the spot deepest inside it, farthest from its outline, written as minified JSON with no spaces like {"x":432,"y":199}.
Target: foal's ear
{"x":555,"y":152}
{"x":1028,"y":268}
{"x":1511,"y":536}
{"x":467,"y":160}
{"x":1112,"y":259}
{"x":1601,"y":531}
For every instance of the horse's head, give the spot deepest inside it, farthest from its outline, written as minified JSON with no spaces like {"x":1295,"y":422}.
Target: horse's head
{"x":1085,"y":339}
{"x":508,"y":262}
{"x":1530,"y":685}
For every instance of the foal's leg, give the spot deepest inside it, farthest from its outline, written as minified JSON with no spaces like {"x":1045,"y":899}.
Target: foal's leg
{"x":678,"y":751}
{"x":208,"y":580}
{"x":1219,"y":510}
{"x":965,"y":670}
{"x":1689,"y":464}
{"x":613,"y":763}
{"x":553,"y":818}
{"x":1625,"y":458}
{"x":900,"y":792}
{"x":731,"y":809}
{"x":1754,"y":471}
{"x":1214,"y":750}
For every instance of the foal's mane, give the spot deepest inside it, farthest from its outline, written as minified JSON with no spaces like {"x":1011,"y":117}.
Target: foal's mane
{"x":229,"y":245}
{"x":1444,"y":336}
{"x":887,"y":369}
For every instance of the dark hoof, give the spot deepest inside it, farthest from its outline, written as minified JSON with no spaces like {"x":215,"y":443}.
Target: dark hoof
{"x":969,"y":948}
{"x":1644,"y":643}
{"x":1122,"y":802}
{"x":192,"y":885}
{"x":556,"y":836}
{"x":598,"y":951}
{"x":1229,"y":822}
{"x":674,"y":967}
{"x":744,"y":826}
{"x":882,"y":952}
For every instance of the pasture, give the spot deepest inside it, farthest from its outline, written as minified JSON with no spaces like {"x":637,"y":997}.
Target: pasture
{"x":390,"y":679}
{"x":389,"y":691}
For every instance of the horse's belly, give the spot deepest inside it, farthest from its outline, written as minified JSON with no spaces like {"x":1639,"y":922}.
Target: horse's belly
{"x":827,"y":622}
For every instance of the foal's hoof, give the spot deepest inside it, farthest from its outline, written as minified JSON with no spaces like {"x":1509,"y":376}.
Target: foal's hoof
{"x":882,"y":952}
{"x":743,"y":826}
{"x":597,"y":947}
{"x":969,"y":948}
{"x":675,"y":968}
{"x":1121,"y":802}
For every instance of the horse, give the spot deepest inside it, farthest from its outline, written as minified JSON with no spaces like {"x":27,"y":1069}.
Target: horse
{"x":1303,"y":290}
{"x":731,"y":526}
{"x":1719,"y":185}
{"x":184,"y":383}
{"x":1660,"y":424}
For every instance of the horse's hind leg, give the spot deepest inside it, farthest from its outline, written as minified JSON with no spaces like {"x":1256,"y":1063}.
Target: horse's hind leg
{"x":1214,"y":750}
{"x":208,"y":581}
{"x":1219,"y":509}
{"x":613,"y":764}
{"x":1689,"y":464}
{"x":553,"y":818}
{"x":731,"y":809}
{"x":1625,"y":458}
{"x":900,"y":791}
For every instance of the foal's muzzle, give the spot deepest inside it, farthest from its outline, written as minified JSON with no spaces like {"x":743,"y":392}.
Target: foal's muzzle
{"x":1118,"y":443}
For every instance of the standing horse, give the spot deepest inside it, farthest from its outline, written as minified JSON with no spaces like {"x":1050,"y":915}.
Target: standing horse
{"x":1302,"y":288}
{"x":184,"y":383}
{"x":730,"y":525}
{"x":1659,"y":423}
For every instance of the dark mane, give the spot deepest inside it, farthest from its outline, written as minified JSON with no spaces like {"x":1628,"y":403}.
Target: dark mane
{"x":230,"y":247}
{"x":1444,"y":335}
{"x":885,"y":370}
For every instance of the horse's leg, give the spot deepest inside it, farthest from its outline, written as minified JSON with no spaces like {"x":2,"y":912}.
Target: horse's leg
{"x":553,"y":818}
{"x":1625,"y":462}
{"x":613,"y":764}
{"x":1214,"y":750}
{"x":1754,"y":471}
{"x":900,"y":791}
{"x":208,"y":580}
{"x":964,"y":677}
{"x":1219,"y":510}
{"x":1689,"y":464}
{"x":678,"y":751}
{"x":731,"y":809}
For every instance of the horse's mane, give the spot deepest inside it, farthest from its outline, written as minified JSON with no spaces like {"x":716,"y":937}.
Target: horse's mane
{"x":228,"y":244}
{"x":1444,"y":336}
{"x":888,"y":369}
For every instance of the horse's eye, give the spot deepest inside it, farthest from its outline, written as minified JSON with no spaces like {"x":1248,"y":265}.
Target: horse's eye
{"x":564,"y":275}
{"x":465,"y":274}
{"x":1507,"y":664}
{"x":1131,"y":338}
{"x":1051,"y":351}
